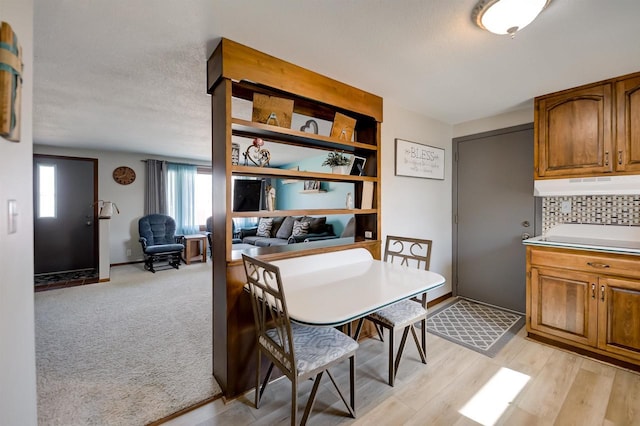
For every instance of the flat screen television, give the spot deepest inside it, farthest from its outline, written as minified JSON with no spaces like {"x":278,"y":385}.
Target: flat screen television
{"x":248,"y":195}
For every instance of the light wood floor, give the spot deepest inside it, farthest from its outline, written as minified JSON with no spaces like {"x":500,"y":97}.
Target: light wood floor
{"x":527,"y":383}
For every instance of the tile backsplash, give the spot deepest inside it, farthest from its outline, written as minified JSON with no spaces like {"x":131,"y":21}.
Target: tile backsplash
{"x":591,"y":209}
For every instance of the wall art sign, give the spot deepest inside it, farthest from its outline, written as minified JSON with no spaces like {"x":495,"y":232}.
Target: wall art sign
{"x":418,"y":160}
{"x":10,"y":83}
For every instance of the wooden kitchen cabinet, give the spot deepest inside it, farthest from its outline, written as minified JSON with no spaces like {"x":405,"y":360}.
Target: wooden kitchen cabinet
{"x":628,"y":124}
{"x":619,"y":316}
{"x":563,"y":304}
{"x":573,"y":132}
{"x":591,"y":130}
{"x":586,"y":300}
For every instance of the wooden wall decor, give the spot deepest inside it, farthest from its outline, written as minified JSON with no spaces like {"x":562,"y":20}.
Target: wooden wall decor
{"x":272,"y":110}
{"x":343,"y":126}
{"x":10,"y":83}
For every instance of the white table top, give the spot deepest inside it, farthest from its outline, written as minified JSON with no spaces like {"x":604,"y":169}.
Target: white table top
{"x":331,"y":289}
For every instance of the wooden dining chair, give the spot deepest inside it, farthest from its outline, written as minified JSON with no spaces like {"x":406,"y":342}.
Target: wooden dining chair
{"x":300,"y":352}
{"x":414,"y":253}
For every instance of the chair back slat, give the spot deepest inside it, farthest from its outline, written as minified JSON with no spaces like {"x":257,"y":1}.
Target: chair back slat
{"x":270,"y":310}
{"x":412,"y":252}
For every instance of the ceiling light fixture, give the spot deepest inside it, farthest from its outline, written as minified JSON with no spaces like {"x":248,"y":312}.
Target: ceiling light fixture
{"x":507,"y":16}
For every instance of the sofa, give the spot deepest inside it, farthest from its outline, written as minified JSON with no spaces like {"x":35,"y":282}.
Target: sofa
{"x":283,"y":230}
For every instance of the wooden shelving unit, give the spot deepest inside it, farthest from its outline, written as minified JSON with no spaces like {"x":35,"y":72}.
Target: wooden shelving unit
{"x":237,"y":71}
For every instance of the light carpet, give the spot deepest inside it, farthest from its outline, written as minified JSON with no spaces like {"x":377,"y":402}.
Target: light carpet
{"x":484,"y":329}
{"x":125,"y":352}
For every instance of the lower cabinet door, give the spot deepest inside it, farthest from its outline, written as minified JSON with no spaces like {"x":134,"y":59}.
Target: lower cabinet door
{"x":619,"y":316}
{"x":564,"y":304}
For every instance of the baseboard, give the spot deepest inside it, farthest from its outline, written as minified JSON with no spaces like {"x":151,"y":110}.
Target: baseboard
{"x":185,"y":410}
{"x":126,"y":263}
{"x":439,"y":299}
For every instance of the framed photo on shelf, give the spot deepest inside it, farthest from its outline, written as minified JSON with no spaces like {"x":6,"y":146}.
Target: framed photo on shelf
{"x":356,"y":168}
{"x":311,"y":185}
{"x":418,"y":160}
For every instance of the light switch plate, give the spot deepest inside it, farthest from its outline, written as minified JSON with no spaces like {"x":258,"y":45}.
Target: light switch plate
{"x":368,"y":234}
{"x":565,"y":207}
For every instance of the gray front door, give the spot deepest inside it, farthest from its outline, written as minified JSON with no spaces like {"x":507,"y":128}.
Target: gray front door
{"x":65,"y":231}
{"x":495,"y":210}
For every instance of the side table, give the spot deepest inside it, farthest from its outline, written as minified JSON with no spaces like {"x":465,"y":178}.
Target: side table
{"x":195,"y":248}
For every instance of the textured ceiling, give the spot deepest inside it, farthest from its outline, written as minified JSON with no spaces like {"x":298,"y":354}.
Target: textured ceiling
{"x":130,"y":75}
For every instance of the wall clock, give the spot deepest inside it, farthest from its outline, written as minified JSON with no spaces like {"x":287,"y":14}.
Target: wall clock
{"x":124,"y":175}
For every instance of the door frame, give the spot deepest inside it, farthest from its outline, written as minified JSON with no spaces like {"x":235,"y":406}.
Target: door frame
{"x":537,"y":226}
{"x":96,"y":227}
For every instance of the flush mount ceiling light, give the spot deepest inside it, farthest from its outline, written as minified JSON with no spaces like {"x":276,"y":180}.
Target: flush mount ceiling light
{"x":506,"y":16}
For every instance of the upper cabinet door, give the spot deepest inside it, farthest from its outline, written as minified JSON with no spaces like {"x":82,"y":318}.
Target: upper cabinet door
{"x":574,"y":133}
{"x":628,"y":119}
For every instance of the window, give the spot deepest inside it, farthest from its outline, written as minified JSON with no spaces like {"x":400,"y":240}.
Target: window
{"x":46,"y":190}
{"x":203,"y":199}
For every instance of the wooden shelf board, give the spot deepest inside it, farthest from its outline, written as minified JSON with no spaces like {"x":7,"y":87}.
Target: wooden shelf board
{"x":296,"y":174}
{"x":241,"y":127}
{"x":303,"y":212}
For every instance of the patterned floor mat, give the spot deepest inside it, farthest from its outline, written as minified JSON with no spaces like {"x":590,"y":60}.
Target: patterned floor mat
{"x":482,"y":328}
{"x":65,"y":279}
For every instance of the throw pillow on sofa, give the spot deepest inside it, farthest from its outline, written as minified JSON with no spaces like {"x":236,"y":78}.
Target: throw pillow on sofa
{"x":277,"y":222}
{"x":317,"y":225}
{"x":264,"y":228}
{"x":286,"y":228}
{"x":300,"y":229}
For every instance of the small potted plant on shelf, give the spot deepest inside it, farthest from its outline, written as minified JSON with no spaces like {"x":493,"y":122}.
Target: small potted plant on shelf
{"x":338,"y":162}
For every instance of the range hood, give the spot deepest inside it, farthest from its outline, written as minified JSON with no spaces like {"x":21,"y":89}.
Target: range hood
{"x":601,"y":185}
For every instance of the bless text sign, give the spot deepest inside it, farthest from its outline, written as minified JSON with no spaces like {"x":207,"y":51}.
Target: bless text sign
{"x":418,"y":160}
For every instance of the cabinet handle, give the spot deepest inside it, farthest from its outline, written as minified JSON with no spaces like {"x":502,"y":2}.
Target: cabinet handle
{"x":606,"y":158}
{"x":598,"y":265}
{"x":620,"y":157}
{"x":602,"y":293}
{"x":593,"y":290}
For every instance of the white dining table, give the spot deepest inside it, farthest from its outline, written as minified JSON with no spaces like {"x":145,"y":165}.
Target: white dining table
{"x":332,"y":289}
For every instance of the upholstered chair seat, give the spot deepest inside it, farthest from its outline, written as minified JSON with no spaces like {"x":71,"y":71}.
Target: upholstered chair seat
{"x":315,"y":347}
{"x":400,"y":314}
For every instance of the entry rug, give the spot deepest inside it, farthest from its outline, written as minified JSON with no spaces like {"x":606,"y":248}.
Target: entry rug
{"x":479,"y":327}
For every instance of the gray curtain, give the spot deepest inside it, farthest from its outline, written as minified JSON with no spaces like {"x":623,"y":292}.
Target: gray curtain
{"x":155,"y":194}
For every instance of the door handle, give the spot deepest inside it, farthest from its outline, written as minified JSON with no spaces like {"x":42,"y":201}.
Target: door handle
{"x":593,"y":290}
{"x":526,"y":224}
{"x":88,"y":223}
{"x":525,"y":236}
{"x":602,"y":293}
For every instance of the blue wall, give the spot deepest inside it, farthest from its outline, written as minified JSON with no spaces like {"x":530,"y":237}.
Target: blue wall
{"x":289,"y":196}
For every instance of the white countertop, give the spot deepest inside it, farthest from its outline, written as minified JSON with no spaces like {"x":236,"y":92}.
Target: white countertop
{"x":603,"y":238}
